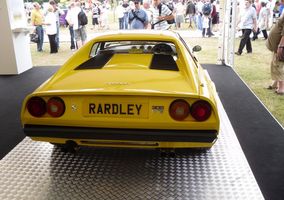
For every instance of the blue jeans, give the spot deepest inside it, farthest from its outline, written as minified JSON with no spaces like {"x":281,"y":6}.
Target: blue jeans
{"x":39,"y":31}
{"x":72,"y":37}
{"x":199,"y":22}
{"x":57,"y":34}
{"x":125,"y":20}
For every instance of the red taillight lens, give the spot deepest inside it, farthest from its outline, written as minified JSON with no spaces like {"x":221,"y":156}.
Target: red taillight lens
{"x":201,"y":110}
{"x":179,"y":109}
{"x":55,"y":107}
{"x":36,"y":106}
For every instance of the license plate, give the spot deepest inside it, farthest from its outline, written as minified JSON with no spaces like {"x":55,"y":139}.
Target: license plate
{"x":120,"y":108}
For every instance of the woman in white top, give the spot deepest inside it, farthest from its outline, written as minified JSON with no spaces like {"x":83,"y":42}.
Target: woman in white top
{"x":119,"y":14}
{"x":180,"y":12}
{"x":205,"y":25}
{"x":51,"y":29}
{"x":263,"y":21}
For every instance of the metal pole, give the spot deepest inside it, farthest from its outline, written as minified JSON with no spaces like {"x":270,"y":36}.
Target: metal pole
{"x":227,"y":34}
{"x":221,"y":42}
{"x":232,"y":33}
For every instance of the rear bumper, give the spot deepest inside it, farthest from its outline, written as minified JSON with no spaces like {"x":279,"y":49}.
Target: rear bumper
{"x":67,"y":132}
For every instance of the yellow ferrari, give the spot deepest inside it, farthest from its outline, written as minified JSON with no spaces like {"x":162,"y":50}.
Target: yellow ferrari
{"x":126,"y":89}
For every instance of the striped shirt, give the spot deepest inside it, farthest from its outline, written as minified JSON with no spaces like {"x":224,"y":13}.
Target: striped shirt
{"x":163,"y":25}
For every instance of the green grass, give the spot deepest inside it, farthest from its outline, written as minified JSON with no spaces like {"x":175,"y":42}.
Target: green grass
{"x":46,"y":59}
{"x":255,"y":71}
{"x":253,"y":68}
{"x":209,"y":53}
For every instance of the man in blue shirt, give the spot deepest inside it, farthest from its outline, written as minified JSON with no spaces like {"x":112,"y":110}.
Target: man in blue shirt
{"x":281,"y":7}
{"x":137,"y":17}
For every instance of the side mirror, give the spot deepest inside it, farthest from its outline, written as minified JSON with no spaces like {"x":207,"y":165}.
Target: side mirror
{"x":196,"y":48}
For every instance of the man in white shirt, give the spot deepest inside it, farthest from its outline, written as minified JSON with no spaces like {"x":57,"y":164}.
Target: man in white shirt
{"x":247,"y":23}
{"x":79,"y":31}
{"x":126,"y":9}
{"x":71,"y":31}
{"x":180,"y":12}
{"x":119,"y":14}
{"x":147,"y":7}
{"x":50,"y":22}
{"x":57,"y":12}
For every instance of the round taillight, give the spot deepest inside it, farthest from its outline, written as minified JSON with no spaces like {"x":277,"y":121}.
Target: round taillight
{"x":55,"y":107}
{"x":201,"y":110}
{"x":179,"y":109}
{"x":36,"y":106}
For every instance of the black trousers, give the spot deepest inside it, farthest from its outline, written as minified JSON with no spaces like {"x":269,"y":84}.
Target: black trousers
{"x":203,"y":32}
{"x":245,"y":41}
{"x":209,"y":30}
{"x":264,"y":33}
{"x":53,"y":43}
{"x":72,"y":38}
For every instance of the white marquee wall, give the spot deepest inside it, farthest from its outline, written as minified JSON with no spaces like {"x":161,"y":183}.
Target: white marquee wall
{"x":15,"y":55}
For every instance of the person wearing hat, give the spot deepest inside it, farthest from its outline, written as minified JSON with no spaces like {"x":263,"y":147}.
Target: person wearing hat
{"x":138,"y":18}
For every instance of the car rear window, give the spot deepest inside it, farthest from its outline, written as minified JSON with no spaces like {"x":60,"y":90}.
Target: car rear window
{"x":164,"y":53}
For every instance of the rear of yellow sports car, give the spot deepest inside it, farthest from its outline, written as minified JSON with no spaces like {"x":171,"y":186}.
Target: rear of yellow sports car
{"x":127,"y":102}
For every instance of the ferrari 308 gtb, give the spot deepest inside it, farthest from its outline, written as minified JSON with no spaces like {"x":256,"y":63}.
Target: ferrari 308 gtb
{"x":127,"y":89}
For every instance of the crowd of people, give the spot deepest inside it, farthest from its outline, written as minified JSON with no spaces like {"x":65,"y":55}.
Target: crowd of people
{"x":199,"y":14}
{"x":49,"y":19}
{"x":202,"y":15}
{"x":136,"y":14}
{"x":260,"y":15}
{"x":255,"y":17}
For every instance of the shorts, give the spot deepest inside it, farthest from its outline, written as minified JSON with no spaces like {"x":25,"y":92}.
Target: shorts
{"x":277,"y":69}
{"x":179,"y":19}
{"x":80,"y":34}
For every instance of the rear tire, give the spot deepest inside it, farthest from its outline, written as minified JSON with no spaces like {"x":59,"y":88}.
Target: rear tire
{"x":69,"y":147}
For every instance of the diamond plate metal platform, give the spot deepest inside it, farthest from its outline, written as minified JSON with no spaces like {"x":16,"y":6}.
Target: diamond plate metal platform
{"x":36,"y":170}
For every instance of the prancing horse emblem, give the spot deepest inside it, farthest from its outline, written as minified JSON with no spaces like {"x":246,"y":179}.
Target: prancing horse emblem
{"x":74,"y":108}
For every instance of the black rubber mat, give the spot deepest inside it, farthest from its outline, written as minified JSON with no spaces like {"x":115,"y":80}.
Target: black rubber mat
{"x":13,"y":90}
{"x":261,"y":137}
